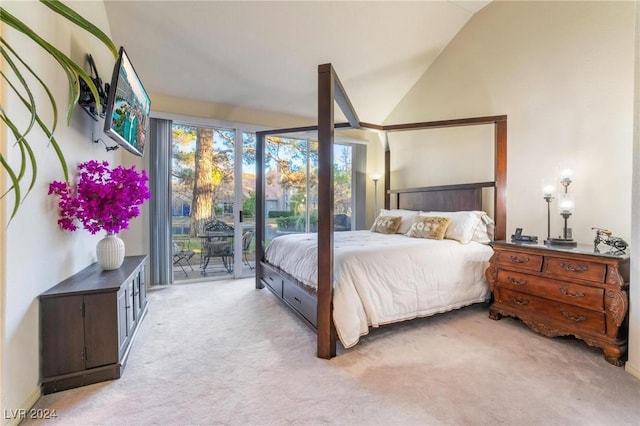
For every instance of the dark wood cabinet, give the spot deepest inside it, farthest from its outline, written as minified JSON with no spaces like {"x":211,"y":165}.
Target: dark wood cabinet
{"x":88,"y":323}
{"x":563,"y":291}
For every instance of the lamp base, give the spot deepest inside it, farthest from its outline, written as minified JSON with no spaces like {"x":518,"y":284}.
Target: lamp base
{"x":567,"y":242}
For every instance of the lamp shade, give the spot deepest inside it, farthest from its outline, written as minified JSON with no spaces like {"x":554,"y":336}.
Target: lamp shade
{"x":548,"y":187}
{"x":375,"y":176}
{"x":566,"y":203}
{"x":566,"y":171}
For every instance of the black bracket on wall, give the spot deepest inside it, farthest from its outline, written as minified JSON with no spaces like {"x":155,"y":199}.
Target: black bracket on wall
{"x":107,"y":147}
{"x":86,"y":99}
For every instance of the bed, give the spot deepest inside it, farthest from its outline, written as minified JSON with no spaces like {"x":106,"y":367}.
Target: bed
{"x":385,"y":278}
{"x":335,"y":305}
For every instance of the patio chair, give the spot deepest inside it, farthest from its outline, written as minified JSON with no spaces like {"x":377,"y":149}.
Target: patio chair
{"x":217,"y":242}
{"x":247,"y":237}
{"x":182,"y":256}
{"x":341,"y":222}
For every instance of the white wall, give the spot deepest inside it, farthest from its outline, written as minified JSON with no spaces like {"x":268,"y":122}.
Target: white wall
{"x":563,"y":72}
{"x":633,"y":364}
{"x":35,"y":254}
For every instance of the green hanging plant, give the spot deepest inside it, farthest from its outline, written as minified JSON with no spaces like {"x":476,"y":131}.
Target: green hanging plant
{"x":17,"y":83}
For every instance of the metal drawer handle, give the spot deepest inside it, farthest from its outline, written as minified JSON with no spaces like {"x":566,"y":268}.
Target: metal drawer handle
{"x":517,"y":281}
{"x":297,"y":300}
{"x":570,"y":268}
{"x":516,"y":259}
{"x":521,"y":302}
{"x":573,"y":317}
{"x":568,"y":294}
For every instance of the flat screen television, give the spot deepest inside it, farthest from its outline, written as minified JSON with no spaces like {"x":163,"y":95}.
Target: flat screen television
{"x":128,"y":107}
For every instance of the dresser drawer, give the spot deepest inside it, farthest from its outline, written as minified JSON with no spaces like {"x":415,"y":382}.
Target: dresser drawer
{"x":530,"y":262}
{"x":573,"y":294}
{"x":571,"y":317}
{"x":301,"y":301}
{"x":576,"y":269}
{"x":273,"y":280}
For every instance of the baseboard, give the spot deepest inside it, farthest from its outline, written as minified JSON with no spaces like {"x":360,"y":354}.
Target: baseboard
{"x":633,"y":370}
{"x":13,"y":417}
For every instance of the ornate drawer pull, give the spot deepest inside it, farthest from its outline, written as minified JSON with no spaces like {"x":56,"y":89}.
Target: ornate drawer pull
{"x":516,"y":259}
{"x":569,"y":267}
{"x":517,"y":281}
{"x":521,"y":302}
{"x":573,"y":317}
{"x":568,"y":294}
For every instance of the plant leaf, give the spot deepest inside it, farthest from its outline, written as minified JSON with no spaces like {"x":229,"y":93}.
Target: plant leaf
{"x":54,"y":105}
{"x":50,"y":136}
{"x":61,"y":9}
{"x":15,"y":184}
{"x":24,"y":84}
{"x":19,"y":141}
{"x":71,"y":68}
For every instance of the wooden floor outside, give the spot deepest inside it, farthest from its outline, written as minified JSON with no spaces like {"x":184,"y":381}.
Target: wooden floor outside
{"x":193,"y":269}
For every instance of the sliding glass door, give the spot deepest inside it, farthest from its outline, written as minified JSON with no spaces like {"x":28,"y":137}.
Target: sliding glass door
{"x":245,"y":205}
{"x":212,"y":236}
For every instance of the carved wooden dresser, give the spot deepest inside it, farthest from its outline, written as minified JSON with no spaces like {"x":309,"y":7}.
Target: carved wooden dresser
{"x":561,"y":291}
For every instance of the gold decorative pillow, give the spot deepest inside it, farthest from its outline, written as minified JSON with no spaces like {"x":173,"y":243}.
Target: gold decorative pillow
{"x":431,"y":227}
{"x":386,"y":224}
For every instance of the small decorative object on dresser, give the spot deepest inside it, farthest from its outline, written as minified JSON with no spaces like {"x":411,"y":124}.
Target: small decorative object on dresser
{"x":560,"y":291}
{"x":603,"y":236}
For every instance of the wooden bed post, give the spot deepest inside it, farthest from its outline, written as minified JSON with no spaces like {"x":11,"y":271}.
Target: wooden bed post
{"x":325,"y":328}
{"x":500,"y":176}
{"x":387,"y":179}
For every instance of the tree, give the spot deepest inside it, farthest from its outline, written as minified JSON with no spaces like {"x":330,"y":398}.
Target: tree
{"x":183,"y":170}
{"x":249,"y":205}
{"x":289,"y":157}
{"x":202,"y":205}
{"x":342,"y":179}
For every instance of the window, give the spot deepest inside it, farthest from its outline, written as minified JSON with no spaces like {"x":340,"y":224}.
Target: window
{"x":291,"y":186}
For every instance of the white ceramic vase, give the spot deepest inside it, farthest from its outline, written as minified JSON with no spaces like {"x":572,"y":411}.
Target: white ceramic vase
{"x":110,"y":252}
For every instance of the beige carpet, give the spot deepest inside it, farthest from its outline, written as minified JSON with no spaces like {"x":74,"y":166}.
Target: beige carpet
{"x":225,"y":353}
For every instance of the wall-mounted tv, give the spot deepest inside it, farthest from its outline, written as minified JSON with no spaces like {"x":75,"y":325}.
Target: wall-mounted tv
{"x":128,"y":107}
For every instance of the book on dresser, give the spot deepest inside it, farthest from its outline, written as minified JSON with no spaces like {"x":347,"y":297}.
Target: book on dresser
{"x":88,"y":323}
{"x":562,"y":291}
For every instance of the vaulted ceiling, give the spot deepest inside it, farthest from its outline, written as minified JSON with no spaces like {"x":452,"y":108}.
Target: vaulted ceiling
{"x":264,"y":55}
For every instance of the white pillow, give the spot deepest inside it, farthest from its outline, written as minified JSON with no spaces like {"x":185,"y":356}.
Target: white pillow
{"x":463,"y":225}
{"x":408,"y":216}
{"x":484,"y":231}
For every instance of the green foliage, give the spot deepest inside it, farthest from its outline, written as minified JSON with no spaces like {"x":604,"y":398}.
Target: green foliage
{"x":249,"y":205}
{"x":15,"y":79}
{"x":287,"y":222}
{"x":274,"y":214}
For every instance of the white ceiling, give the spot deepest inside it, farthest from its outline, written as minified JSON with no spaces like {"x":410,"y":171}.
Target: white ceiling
{"x":264,"y":55}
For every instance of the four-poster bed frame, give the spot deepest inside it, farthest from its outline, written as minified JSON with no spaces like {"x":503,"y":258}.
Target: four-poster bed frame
{"x":445,"y":198}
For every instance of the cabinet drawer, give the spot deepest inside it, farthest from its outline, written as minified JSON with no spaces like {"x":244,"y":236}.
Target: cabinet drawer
{"x":302,"y":301}
{"x":530,"y":262}
{"x":572,"y":294}
{"x":576,"y":269}
{"x":273,"y":280}
{"x":570,"y":317}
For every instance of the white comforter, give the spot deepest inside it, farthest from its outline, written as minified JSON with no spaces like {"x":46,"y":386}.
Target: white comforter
{"x":380,"y":279}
